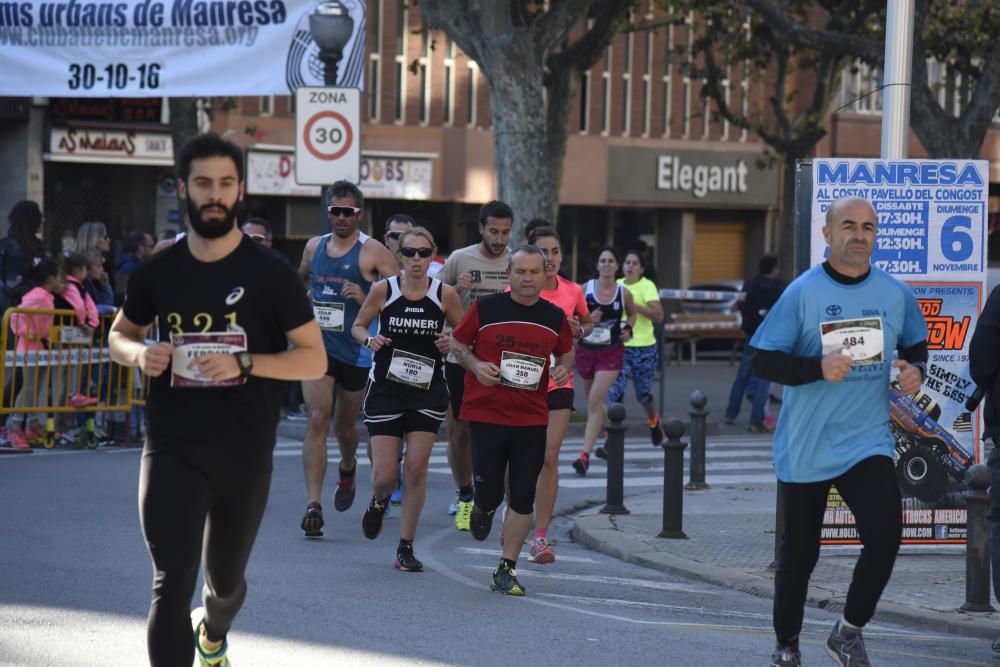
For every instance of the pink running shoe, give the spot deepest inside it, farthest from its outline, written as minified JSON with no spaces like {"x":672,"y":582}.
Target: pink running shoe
{"x":541,"y":552}
{"x":18,"y":440}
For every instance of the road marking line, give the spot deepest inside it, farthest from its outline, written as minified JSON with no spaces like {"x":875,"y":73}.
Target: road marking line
{"x":562,"y":558}
{"x":611,"y":581}
{"x":599,"y":482}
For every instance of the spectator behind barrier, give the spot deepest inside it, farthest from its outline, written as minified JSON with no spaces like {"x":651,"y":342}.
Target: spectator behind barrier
{"x":21,"y":245}
{"x":28,"y":384}
{"x":98,"y":285}
{"x":94,"y":237}
{"x":76,"y":297}
{"x":136,"y":246}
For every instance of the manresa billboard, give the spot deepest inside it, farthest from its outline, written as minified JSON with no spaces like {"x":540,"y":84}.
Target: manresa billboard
{"x":696,"y":178}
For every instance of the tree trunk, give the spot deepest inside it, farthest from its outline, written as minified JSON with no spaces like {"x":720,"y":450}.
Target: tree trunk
{"x":183,"y":122}
{"x":524,"y":165}
{"x":786,"y":244}
{"x":183,"y":126}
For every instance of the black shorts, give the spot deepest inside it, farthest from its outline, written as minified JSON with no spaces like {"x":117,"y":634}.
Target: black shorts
{"x":408,"y":421}
{"x":561,"y":398}
{"x":454,"y":374}
{"x":517,"y":452}
{"x":350,"y":378}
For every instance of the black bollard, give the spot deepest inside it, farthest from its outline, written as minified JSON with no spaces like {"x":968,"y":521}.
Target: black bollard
{"x":673,"y":481}
{"x":698,"y":416}
{"x":977,"y":541}
{"x":615,"y":445}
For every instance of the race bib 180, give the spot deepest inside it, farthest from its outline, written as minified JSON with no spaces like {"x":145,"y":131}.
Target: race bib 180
{"x":521,"y":371}
{"x":189,"y":346}
{"x":862,"y":338}
{"x":411,"y":369}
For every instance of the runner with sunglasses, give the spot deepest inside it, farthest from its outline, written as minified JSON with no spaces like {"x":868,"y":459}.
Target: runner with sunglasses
{"x":395,"y":225}
{"x":338,"y":269}
{"x":407,"y":394}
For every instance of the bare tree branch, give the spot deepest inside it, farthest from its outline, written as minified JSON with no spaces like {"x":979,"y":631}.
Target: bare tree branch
{"x":458,"y":21}
{"x":553,"y":26}
{"x":821,"y":40}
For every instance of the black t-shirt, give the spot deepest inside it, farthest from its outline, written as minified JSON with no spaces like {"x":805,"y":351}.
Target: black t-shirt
{"x":251,"y":290}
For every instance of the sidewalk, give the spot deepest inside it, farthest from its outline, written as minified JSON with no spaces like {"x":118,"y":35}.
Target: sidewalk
{"x":731,"y":543}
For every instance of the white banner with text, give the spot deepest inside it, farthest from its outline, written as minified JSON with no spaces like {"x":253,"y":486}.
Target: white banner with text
{"x":170,"y":48}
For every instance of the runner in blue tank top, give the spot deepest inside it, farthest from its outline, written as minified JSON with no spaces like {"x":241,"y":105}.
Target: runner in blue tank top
{"x":339,"y":269}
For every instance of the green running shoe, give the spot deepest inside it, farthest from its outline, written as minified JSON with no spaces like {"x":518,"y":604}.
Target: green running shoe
{"x":216,"y":659}
{"x":463,"y":515}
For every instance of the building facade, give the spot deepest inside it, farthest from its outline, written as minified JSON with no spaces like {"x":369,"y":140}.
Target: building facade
{"x":649,"y":164}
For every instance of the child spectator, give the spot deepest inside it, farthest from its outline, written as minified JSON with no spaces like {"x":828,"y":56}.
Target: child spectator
{"x":98,"y":284}
{"x":43,"y":280}
{"x":88,"y":320}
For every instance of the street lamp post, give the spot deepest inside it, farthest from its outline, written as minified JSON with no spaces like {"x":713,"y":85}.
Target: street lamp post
{"x":331,"y":26}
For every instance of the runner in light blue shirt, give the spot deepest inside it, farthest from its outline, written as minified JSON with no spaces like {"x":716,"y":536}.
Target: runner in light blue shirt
{"x":830,"y":339}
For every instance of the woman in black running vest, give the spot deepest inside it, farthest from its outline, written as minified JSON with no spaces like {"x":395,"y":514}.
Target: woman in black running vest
{"x":407,"y":395}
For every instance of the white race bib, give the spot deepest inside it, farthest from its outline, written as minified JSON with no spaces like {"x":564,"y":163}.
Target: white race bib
{"x":329,"y":315}
{"x":411,"y":369}
{"x":190,"y":346}
{"x":599,"y":336}
{"x":862,"y":338}
{"x":521,"y":371}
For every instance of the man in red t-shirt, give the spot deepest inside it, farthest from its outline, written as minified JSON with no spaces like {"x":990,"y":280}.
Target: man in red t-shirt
{"x":505,"y":342}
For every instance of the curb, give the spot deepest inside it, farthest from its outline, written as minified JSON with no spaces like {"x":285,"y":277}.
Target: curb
{"x":599,"y":533}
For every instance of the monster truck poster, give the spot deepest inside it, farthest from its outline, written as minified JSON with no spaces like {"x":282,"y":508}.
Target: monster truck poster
{"x":931,"y":234}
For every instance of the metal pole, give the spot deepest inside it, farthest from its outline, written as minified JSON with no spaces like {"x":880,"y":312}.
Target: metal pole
{"x":673,"y":481}
{"x":696,"y":479}
{"x":661,"y":395}
{"x":977,"y":541}
{"x":896,"y":78}
{"x":615,"y":445}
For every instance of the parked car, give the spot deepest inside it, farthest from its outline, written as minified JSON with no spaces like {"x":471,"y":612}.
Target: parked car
{"x":728,"y":305}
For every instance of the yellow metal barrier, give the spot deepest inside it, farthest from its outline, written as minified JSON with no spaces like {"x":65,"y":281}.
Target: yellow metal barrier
{"x":54,"y":366}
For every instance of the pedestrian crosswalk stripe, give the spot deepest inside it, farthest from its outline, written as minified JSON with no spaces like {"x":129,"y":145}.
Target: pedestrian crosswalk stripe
{"x":629,"y":482}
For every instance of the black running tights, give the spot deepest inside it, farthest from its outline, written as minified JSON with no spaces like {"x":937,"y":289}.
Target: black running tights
{"x":871,"y":491}
{"x":495,"y":449}
{"x":182,"y":504}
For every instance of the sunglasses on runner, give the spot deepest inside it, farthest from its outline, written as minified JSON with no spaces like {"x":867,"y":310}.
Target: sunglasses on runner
{"x":259,"y":238}
{"x":413,"y":252}
{"x":393,"y":235}
{"x":343,"y":211}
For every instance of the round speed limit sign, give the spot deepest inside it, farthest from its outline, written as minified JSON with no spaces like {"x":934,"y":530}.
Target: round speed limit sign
{"x":327,"y":135}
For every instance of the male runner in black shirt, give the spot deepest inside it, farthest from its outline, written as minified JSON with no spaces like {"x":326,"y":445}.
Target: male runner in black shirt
{"x":227,"y":310}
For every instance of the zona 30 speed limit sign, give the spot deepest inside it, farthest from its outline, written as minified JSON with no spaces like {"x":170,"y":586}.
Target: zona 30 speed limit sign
{"x":327,"y":135}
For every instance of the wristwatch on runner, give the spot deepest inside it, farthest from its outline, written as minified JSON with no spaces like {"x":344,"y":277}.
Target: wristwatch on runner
{"x":368,"y":342}
{"x":245,"y":362}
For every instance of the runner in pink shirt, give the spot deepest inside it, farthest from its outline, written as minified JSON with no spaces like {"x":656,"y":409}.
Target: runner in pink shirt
{"x":569,"y":297}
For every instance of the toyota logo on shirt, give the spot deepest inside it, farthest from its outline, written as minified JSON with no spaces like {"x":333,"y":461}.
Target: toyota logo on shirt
{"x":834,"y":310}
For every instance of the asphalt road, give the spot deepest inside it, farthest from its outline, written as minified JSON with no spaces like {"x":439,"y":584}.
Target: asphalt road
{"x":75,"y":584}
